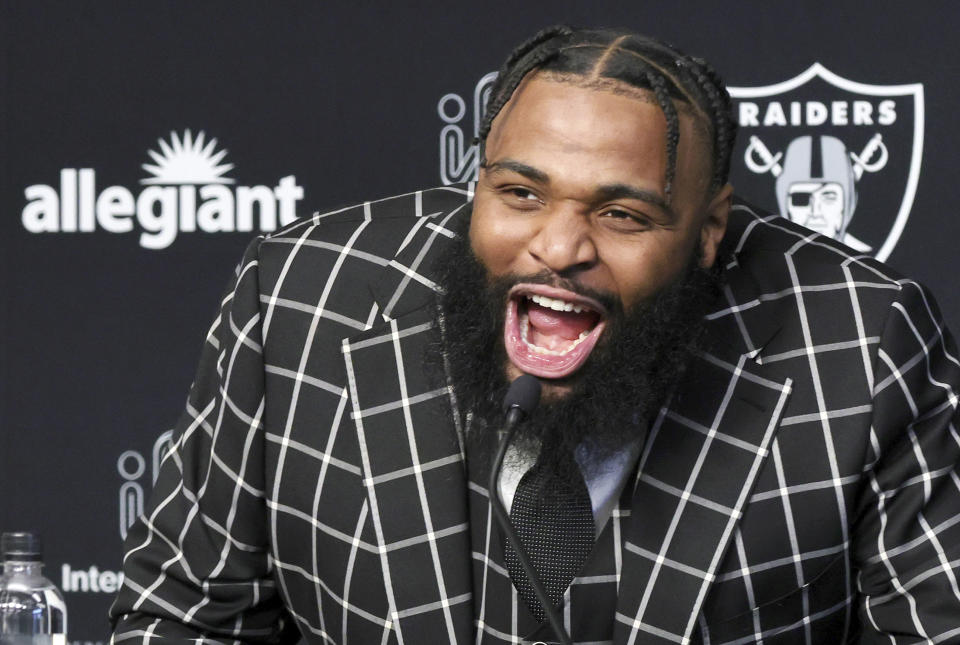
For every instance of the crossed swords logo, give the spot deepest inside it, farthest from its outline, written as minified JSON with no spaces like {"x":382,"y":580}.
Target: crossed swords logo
{"x":760,"y":160}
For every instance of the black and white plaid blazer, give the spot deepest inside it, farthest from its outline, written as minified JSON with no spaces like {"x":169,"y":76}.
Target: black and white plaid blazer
{"x":801,"y":486}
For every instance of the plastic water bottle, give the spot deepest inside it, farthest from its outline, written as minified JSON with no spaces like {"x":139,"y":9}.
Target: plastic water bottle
{"x":32,"y":611}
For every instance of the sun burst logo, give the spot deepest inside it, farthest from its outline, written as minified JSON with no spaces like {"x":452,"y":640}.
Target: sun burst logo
{"x":187,"y":161}
{"x":188,"y":193}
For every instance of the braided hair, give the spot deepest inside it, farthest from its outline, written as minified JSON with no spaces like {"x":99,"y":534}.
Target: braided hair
{"x":607,"y":57}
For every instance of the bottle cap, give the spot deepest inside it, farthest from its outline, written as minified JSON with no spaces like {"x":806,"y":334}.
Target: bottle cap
{"x":23,"y":546}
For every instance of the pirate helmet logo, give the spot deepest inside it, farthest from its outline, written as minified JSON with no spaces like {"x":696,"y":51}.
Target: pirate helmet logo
{"x":819,"y":137}
{"x":816,"y":183}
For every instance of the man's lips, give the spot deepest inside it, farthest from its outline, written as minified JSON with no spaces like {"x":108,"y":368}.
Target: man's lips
{"x":540,"y":331}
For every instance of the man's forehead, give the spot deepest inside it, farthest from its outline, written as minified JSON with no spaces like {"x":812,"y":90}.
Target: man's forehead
{"x":618,"y":87}
{"x":692,"y":113}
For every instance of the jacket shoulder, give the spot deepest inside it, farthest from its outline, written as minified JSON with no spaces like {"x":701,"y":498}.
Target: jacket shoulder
{"x":405,"y":206}
{"x":353,"y":244}
{"x":375,"y":229}
{"x":799,"y":277}
{"x":782,"y":251}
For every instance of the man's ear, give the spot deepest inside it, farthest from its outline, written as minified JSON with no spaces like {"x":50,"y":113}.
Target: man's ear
{"x":714,"y":225}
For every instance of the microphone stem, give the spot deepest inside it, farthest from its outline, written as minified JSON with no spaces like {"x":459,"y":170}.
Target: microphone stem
{"x":514,"y":415}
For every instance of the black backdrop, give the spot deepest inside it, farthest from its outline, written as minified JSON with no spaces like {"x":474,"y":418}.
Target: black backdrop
{"x":100,"y":332}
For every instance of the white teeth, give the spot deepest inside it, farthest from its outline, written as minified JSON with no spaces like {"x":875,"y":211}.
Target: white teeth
{"x":555,"y":303}
{"x":551,"y":303}
{"x":525,"y":329}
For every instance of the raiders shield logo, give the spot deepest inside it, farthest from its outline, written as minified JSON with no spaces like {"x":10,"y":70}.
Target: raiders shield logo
{"x":839,"y":157}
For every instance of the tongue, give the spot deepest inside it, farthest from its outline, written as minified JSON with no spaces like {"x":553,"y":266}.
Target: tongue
{"x":565,"y":324}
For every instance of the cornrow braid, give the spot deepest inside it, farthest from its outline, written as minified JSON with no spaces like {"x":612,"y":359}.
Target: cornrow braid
{"x":659,"y":86}
{"x":634,"y":60}
{"x":724,"y":123}
{"x":522,"y":60}
{"x":536,"y":40}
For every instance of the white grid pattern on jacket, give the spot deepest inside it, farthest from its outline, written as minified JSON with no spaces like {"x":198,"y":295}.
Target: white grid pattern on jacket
{"x":802,"y":486}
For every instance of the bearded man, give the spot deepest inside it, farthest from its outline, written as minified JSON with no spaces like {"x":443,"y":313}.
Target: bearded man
{"x":747,"y":431}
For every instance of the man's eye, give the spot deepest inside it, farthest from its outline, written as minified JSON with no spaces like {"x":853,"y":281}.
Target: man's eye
{"x":524,"y":194}
{"x":520,"y":198}
{"x":624,"y":219}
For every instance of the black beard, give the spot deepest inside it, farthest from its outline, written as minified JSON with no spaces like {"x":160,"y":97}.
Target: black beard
{"x":633,"y":368}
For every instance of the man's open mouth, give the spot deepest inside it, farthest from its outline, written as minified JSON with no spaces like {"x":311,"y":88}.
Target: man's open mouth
{"x":550,"y":332}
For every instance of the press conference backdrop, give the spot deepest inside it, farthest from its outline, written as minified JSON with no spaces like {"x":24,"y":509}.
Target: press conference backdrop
{"x":145,"y":143}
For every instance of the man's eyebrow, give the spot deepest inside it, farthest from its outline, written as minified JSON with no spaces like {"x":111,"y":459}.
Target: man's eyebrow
{"x":603,"y":193}
{"x":520,"y":168}
{"x":625,"y":191}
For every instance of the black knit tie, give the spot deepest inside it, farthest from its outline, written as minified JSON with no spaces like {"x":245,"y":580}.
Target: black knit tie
{"x":555,"y":525}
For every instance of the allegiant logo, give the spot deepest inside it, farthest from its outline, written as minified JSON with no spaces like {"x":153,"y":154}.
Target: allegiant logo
{"x":186,"y":193}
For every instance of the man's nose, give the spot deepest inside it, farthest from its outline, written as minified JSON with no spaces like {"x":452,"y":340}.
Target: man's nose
{"x":564,"y":242}
{"x":816,"y":204}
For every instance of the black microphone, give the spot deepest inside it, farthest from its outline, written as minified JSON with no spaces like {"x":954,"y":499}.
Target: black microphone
{"x":521,"y":399}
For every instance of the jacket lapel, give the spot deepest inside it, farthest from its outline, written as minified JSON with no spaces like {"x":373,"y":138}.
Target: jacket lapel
{"x":412,"y":458}
{"x":697,"y":469}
